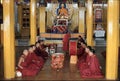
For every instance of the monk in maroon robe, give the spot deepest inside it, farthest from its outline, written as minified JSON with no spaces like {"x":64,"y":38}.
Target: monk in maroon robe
{"x":81,"y":54}
{"x":40,"y":52}
{"x":66,"y":42}
{"x":91,"y":68}
{"x":80,"y":39}
{"x":25,"y":66}
{"x":80,"y":51}
{"x":38,"y":61}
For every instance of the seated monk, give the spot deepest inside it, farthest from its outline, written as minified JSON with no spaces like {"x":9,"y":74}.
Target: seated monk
{"x":91,"y":68}
{"x":44,"y":53}
{"x":38,"y":61}
{"x":80,"y":39}
{"x":39,"y":51}
{"x":25,"y":66}
{"x":81,"y":54}
{"x":43,"y":46}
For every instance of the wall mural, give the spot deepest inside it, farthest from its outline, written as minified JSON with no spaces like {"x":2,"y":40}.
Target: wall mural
{"x":62,"y":17}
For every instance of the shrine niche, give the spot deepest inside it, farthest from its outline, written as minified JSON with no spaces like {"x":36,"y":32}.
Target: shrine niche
{"x":61,"y":18}
{"x":98,"y":14}
{"x":99,"y":29}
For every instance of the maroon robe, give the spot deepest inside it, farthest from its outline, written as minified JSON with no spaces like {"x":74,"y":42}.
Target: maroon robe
{"x":29,"y":69}
{"x":66,"y":42}
{"x":41,"y":53}
{"x":91,"y":68}
{"x":80,"y":51}
{"x":38,"y":61}
{"x":81,"y":59}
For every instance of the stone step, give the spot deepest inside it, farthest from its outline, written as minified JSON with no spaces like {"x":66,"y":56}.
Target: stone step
{"x":100,"y":42}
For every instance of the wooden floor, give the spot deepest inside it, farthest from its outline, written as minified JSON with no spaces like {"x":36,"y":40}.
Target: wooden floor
{"x":68,"y":73}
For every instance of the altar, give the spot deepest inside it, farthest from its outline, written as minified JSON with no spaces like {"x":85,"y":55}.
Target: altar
{"x":60,"y":26}
{"x":60,"y":23}
{"x":99,"y":33}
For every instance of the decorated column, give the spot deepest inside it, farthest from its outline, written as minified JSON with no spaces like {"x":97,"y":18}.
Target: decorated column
{"x":0,"y":34}
{"x":33,"y":28}
{"x":9,"y":39}
{"x":112,"y":40}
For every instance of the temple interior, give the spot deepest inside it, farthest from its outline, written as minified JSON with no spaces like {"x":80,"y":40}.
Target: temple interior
{"x":57,"y":25}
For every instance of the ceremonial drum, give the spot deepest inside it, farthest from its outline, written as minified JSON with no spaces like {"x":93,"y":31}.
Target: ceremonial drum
{"x":73,"y":48}
{"x":73,"y":52}
{"x":57,"y":60}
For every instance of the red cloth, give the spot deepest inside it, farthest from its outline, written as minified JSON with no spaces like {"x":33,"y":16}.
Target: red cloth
{"x":90,"y":68}
{"x":29,"y":69}
{"x":81,"y":59}
{"x":37,"y":60}
{"x":66,"y":42}
{"x":73,"y":48}
{"x":31,"y":65}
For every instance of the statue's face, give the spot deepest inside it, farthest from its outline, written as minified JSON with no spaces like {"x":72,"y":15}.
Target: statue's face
{"x":62,"y":5}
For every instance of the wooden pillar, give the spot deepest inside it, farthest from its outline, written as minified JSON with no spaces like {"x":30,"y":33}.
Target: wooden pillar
{"x":89,"y":21}
{"x":42,"y":20}
{"x":9,"y":41}
{"x":2,"y":38}
{"x":82,"y":20}
{"x":0,"y":34}
{"x":33,"y":28}
{"x":112,"y":40}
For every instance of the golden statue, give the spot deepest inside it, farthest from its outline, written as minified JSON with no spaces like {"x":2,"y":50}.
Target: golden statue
{"x":63,"y":11}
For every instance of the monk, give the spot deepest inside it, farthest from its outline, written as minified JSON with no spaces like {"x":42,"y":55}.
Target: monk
{"x":81,"y":54}
{"x":43,"y":46}
{"x":80,"y":39}
{"x":40,"y":51}
{"x":66,"y":42}
{"x":80,"y":51}
{"x":25,"y":66}
{"x":38,"y":61}
{"x":91,"y":68}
